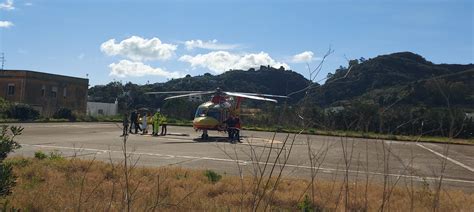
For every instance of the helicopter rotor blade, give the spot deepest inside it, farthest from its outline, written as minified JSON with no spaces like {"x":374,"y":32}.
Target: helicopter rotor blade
{"x":264,"y":95}
{"x":249,"y":96}
{"x":189,"y":94}
{"x":173,"y":92}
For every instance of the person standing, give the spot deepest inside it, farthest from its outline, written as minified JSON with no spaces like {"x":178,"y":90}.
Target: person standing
{"x":156,"y":122}
{"x":144,"y":124}
{"x":163,"y":122}
{"x":133,"y":115}
{"x":231,"y":124}
{"x":125,"y":123}
{"x":237,"y":129}
{"x":135,"y":122}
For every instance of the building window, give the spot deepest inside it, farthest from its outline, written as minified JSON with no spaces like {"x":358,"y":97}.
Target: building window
{"x":11,"y":89}
{"x":65,"y":92}
{"x":43,"y":90}
{"x":54,"y":92}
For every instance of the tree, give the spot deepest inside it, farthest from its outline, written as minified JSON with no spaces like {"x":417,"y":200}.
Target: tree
{"x":353,"y":62}
{"x":7,"y":145}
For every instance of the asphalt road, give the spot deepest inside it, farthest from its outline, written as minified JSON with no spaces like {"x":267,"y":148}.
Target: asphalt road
{"x":334,"y":158}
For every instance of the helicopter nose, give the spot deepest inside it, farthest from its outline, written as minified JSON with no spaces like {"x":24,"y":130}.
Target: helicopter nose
{"x":205,"y":122}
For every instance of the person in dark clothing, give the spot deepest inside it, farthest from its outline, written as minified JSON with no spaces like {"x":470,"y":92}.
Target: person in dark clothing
{"x":237,"y":129}
{"x":134,"y":121}
{"x":125,"y":123}
{"x":133,"y":114}
{"x":231,"y":123}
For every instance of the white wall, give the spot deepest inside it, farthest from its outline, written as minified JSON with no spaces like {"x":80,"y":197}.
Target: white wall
{"x":102,"y":109}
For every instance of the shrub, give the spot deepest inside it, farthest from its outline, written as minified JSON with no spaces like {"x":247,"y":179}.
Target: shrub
{"x":22,"y":112}
{"x":18,"y":162}
{"x":7,"y":179}
{"x":212,"y":176}
{"x":55,"y":155}
{"x":40,"y":155}
{"x":305,"y":205}
{"x":4,"y":106}
{"x":65,"y":113}
{"x":7,"y":145}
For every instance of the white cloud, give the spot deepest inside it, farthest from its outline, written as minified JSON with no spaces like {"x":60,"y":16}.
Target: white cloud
{"x":139,"y":49}
{"x":28,"y":4}
{"x":211,"y":45}
{"x":5,"y":24}
{"x":126,"y":68}
{"x":221,"y":61}
{"x":303,"y":57}
{"x":7,"y":5}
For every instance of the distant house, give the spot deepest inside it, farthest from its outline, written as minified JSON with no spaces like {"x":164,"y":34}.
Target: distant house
{"x":45,"y":92}
{"x":102,"y":109}
{"x":197,"y":98}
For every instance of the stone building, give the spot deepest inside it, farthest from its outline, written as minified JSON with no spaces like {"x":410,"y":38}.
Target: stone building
{"x":45,"y":92}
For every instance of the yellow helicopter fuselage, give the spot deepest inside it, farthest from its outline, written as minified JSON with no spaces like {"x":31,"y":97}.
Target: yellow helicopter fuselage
{"x":210,"y":116}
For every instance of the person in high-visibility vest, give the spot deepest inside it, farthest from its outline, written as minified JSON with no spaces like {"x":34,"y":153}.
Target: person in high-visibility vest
{"x":156,"y":122}
{"x":163,"y":123}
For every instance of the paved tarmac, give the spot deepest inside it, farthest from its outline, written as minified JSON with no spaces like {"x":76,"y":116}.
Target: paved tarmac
{"x":395,"y":162}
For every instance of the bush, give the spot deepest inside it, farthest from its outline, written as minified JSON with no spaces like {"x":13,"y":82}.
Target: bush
{"x":212,"y":176}
{"x":4,"y":106}
{"x":40,"y":155}
{"x":7,"y":145}
{"x":65,"y":113}
{"x":55,"y":155}
{"x":22,"y":112}
{"x":306,"y":205}
{"x":7,"y":179}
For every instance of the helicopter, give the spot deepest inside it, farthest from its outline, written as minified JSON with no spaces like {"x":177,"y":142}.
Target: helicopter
{"x":211,"y":115}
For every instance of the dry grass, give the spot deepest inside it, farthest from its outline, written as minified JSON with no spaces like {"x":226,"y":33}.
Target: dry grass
{"x":73,"y":184}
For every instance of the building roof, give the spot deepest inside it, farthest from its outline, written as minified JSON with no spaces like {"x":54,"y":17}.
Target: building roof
{"x":40,"y":73}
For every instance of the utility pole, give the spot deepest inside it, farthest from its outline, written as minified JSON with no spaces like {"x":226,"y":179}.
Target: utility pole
{"x":2,"y":58}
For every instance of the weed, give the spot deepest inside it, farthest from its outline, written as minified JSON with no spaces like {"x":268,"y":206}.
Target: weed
{"x":307,"y":206}
{"x":182,"y":176}
{"x":46,"y":186}
{"x":40,"y":155}
{"x":55,"y":155}
{"x":18,"y":162}
{"x":212,"y":176}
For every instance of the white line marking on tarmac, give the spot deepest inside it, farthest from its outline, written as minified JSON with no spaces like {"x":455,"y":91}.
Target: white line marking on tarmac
{"x":447,"y":158}
{"x":326,"y":170}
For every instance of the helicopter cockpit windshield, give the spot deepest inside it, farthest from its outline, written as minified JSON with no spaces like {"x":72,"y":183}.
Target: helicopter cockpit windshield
{"x":214,"y":113}
{"x":201,"y":112}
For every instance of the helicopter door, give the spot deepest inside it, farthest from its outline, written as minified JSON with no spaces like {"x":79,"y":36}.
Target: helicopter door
{"x":224,"y":115}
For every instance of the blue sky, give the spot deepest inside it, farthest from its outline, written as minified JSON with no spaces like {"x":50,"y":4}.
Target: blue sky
{"x":152,"y":41}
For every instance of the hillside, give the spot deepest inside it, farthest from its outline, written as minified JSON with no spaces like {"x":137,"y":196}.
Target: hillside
{"x":264,"y":80}
{"x":404,"y":77}
{"x":388,"y":78}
